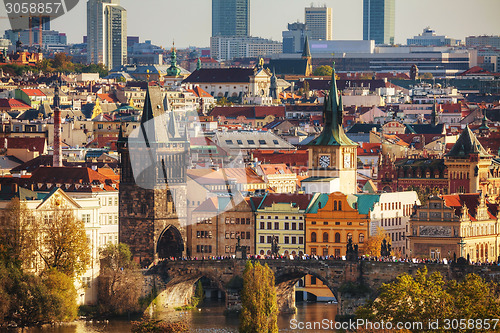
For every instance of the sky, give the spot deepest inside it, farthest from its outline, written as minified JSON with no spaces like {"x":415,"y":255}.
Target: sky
{"x":188,"y":22}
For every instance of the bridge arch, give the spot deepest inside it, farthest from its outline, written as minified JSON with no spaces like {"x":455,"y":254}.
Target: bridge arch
{"x":178,"y":285}
{"x":287,"y":278}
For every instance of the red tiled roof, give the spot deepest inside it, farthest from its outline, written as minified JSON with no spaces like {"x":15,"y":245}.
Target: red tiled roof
{"x":109,"y":98}
{"x":12,"y":103}
{"x":199,"y":92}
{"x":32,"y":144}
{"x":290,"y":158}
{"x":300,"y":200}
{"x":76,"y":179}
{"x":272,"y":169}
{"x":33,"y":92}
{"x":102,"y":142}
{"x":250,"y":112}
{"x":471,"y":200}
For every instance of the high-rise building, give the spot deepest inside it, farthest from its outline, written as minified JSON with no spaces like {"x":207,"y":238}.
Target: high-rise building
{"x":230,"y":18}
{"x":320,"y":22}
{"x":378,"y":21}
{"x":106,"y":33}
{"x":295,"y":37}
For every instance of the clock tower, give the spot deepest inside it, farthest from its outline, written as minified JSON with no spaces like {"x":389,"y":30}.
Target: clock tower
{"x":332,"y":154}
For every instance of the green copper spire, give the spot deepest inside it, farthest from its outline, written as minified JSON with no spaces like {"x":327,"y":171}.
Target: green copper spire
{"x":173,"y":70}
{"x":333,"y":115}
{"x":484,"y":122}
{"x":306,"y":53}
{"x":198,"y":64}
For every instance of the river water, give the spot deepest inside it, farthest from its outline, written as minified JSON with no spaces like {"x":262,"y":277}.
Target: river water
{"x":209,"y":318}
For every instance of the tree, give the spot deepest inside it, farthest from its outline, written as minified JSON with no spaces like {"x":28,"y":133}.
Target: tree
{"x":410,"y":299}
{"x":474,"y":298}
{"x":428,"y":297}
{"x":63,"y":245}
{"x":426,"y":76}
{"x":374,"y":243}
{"x":323,"y":71}
{"x":18,"y":234}
{"x":259,"y":312}
{"x":63,"y":294}
{"x":120,"y":280}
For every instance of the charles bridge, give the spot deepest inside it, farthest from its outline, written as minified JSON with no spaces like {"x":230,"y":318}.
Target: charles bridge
{"x":174,"y":281}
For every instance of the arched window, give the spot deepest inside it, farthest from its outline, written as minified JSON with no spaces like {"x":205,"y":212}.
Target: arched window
{"x":337,"y":237}
{"x":313,"y":237}
{"x":361,"y":238}
{"x":335,"y":205}
{"x":340,"y":205}
{"x":325,"y":237}
{"x":349,"y":236}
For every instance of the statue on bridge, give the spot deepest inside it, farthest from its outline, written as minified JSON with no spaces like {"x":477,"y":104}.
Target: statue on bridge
{"x":385,"y":249}
{"x":241,"y":251}
{"x":352,"y":251}
{"x":274,"y":246}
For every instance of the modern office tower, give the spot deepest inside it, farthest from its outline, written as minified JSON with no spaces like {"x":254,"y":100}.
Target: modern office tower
{"x":320,"y":22}
{"x":295,"y":37}
{"x":378,"y":21}
{"x":483,"y":41}
{"x":230,"y":18}
{"x":106,"y":33}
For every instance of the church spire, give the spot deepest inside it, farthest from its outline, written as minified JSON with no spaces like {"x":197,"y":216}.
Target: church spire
{"x":434,"y":115}
{"x":306,"y":53}
{"x":333,"y":116}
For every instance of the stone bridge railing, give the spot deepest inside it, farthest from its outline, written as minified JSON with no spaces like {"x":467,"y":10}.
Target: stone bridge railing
{"x":175,"y":280}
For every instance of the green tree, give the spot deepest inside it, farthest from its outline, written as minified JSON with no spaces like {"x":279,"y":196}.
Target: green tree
{"x":259,"y":312}
{"x":474,"y":298}
{"x":63,"y":245}
{"x":410,"y":299}
{"x":323,"y":71}
{"x":120,"y":280}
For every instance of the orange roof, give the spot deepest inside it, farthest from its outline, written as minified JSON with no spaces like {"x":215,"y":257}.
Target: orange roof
{"x":33,"y":92}
{"x":272,"y":169}
{"x":107,"y":98}
{"x":199,"y":92}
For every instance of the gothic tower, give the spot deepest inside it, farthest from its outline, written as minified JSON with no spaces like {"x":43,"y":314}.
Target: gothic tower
{"x":153,"y":184}
{"x":468,"y":164}
{"x":332,"y":153}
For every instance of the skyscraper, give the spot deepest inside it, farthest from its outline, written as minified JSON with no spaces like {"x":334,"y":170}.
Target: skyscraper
{"x":378,"y":21}
{"x":230,"y":18}
{"x":320,"y":22}
{"x":106,"y":33}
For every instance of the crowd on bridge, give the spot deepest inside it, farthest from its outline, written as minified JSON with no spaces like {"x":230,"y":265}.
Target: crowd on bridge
{"x":392,"y":259}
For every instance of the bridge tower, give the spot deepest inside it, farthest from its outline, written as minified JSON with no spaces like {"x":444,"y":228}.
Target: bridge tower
{"x":153,"y":184}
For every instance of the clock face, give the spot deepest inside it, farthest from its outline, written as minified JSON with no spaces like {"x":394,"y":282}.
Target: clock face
{"x":324,"y":161}
{"x":347,"y":160}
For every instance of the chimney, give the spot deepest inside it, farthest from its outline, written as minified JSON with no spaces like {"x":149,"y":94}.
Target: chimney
{"x":57,"y":155}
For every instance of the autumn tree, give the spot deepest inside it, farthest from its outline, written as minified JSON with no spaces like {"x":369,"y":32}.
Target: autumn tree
{"x":120,"y":280}
{"x":63,"y":242}
{"x":374,"y":242}
{"x":17,"y":234}
{"x":323,"y":71}
{"x":258,"y":298}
